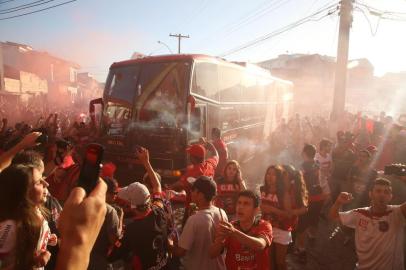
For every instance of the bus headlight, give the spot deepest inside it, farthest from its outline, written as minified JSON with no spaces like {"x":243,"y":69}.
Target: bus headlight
{"x":169,"y":173}
{"x":176,"y":173}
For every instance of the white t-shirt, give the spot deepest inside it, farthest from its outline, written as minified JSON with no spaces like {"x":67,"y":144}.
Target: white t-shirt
{"x":8,"y":238}
{"x":325,"y":164}
{"x":197,"y":237}
{"x":378,"y":239}
{"x":45,"y":237}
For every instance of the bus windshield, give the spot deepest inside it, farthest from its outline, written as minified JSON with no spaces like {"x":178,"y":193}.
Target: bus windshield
{"x":147,"y":95}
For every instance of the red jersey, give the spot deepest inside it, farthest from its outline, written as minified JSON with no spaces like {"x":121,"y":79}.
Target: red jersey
{"x":62,"y":181}
{"x":206,"y":168}
{"x":283,"y":223}
{"x":227,"y":194}
{"x":240,"y":257}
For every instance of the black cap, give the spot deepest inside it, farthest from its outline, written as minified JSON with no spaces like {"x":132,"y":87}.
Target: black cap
{"x":205,"y":185}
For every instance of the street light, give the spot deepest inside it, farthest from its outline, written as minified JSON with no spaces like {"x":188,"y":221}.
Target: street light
{"x":163,"y":43}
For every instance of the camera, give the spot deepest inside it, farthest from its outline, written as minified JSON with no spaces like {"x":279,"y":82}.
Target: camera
{"x":43,"y":139}
{"x":395,"y":169}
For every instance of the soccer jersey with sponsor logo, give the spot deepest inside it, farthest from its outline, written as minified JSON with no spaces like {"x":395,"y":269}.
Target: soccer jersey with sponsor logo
{"x":227,"y":194}
{"x":283,"y":223}
{"x":206,"y":168}
{"x":240,"y":257}
{"x":378,"y":238}
{"x":8,"y":236}
{"x":8,"y":241}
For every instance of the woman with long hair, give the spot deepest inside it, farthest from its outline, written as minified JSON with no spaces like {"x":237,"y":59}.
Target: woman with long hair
{"x":274,"y":208}
{"x":298,"y":199}
{"x":23,"y":230}
{"x":297,"y":190}
{"x":228,"y":187}
{"x":282,"y":202}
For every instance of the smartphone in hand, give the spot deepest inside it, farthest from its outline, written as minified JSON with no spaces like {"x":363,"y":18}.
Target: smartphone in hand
{"x":89,"y":173}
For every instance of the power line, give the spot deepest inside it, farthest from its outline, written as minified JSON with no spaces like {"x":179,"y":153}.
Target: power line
{"x":2,"y":2}
{"x":242,"y":19}
{"x":39,"y":10}
{"x":257,"y":15}
{"x":282,"y":30}
{"x":379,"y":11}
{"x":335,"y":33}
{"x":33,"y":4}
{"x":373,"y":32}
{"x":194,"y":15}
{"x":22,"y":5}
{"x":381,"y":14}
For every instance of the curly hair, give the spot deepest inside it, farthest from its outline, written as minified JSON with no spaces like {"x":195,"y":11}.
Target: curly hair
{"x":299,"y":185}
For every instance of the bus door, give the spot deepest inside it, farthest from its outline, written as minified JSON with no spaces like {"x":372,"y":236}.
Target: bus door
{"x":198,"y":123}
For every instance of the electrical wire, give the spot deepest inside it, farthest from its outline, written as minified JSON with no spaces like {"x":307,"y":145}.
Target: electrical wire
{"x":379,"y":11}
{"x":193,"y":15}
{"x":257,"y":16}
{"x":373,"y":32}
{"x":253,"y":19}
{"x":33,"y":4}
{"x":22,"y":5}
{"x":2,"y":2}
{"x":281,"y":30}
{"x":36,"y":11}
{"x":263,"y":7}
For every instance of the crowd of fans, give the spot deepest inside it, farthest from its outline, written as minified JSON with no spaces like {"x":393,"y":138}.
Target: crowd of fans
{"x":229,"y":222}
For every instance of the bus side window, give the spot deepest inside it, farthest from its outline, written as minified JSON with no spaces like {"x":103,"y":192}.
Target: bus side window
{"x":205,"y":80}
{"x":196,"y":120}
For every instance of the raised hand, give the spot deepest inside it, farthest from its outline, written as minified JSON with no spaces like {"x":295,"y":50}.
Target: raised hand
{"x":344,"y":198}
{"x":30,"y":140}
{"x":143,"y":155}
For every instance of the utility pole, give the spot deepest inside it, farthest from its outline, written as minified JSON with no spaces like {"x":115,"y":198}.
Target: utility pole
{"x":2,"y":86}
{"x":342,"y":59}
{"x":179,"y":36}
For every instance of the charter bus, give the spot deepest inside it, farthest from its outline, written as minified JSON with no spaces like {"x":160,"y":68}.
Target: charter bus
{"x":165,"y":103}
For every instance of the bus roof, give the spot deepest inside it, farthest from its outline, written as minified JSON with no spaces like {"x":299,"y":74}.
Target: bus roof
{"x":164,"y":58}
{"x":174,"y":57}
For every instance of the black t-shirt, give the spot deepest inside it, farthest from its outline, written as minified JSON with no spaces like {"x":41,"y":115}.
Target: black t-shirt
{"x":343,"y":160}
{"x":311,"y":172}
{"x":144,"y":244}
{"x":98,"y":256}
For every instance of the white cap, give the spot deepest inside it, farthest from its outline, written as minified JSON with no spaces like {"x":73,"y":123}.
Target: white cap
{"x":136,"y":194}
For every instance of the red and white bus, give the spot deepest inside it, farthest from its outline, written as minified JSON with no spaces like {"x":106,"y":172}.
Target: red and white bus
{"x":165,"y":103}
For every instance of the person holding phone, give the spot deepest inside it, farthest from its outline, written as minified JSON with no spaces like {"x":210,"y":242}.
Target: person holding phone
{"x":228,"y":187}
{"x":79,"y":225}
{"x":246,"y":240}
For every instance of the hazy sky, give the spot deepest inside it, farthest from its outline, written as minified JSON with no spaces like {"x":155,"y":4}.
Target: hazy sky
{"x":95,"y":33}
